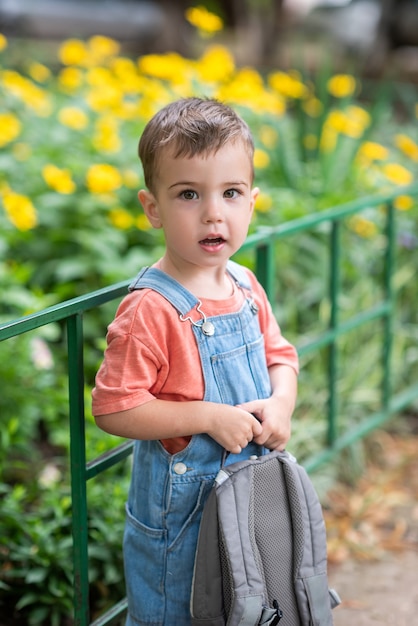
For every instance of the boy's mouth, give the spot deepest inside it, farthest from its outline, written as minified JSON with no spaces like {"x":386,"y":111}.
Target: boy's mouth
{"x":212,"y":241}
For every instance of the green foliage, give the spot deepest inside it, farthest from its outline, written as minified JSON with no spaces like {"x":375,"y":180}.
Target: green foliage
{"x":36,"y":572}
{"x":36,"y":554}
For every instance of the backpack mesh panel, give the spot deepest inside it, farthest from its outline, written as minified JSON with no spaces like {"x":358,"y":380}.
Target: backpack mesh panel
{"x":227,"y":582}
{"x":275,"y":540}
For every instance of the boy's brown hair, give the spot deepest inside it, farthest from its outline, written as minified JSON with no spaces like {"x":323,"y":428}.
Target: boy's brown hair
{"x":188,"y":127}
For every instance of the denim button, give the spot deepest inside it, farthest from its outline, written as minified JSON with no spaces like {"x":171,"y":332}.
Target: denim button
{"x":180,"y":468}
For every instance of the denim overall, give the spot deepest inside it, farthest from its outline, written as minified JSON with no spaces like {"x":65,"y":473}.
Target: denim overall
{"x":167,"y":492}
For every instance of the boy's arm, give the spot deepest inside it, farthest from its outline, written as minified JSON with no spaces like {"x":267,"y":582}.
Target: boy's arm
{"x":275,"y":413}
{"x":232,"y":427}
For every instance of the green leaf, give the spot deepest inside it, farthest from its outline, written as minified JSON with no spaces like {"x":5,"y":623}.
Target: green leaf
{"x":36,"y":575}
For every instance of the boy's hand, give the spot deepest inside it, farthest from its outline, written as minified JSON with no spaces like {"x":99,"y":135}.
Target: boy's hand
{"x":233,"y":427}
{"x":275,"y":419}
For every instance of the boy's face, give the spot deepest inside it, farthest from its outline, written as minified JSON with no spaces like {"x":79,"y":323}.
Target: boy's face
{"x":204,"y":204}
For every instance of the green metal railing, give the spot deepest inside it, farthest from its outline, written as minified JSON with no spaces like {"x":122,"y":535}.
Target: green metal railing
{"x":263,"y":245}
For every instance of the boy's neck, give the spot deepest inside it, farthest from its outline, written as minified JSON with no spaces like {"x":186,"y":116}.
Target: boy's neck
{"x":213,"y":283}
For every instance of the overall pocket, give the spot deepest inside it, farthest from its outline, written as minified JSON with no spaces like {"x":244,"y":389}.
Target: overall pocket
{"x":144,"y":552}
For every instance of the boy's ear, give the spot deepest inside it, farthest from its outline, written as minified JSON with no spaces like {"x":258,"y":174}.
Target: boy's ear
{"x":254,"y":195}
{"x":150,"y":206}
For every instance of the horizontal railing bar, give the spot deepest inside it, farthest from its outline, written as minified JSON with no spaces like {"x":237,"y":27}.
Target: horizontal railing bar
{"x":403,"y":398}
{"x":59,"y":312}
{"x":327,"y":215}
{"x":397,"y":404}
{"x":108,"y":459}
{"x":326,"y":338}
{"x":113,"y":614}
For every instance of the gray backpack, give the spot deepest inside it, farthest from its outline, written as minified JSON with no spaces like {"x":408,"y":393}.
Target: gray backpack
{"x":261,"y":555}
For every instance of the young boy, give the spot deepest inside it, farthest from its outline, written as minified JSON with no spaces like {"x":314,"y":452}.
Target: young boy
{"x":195,"y":362}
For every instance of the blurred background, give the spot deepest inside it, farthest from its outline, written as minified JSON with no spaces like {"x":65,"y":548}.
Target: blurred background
{"x":380,"y":36}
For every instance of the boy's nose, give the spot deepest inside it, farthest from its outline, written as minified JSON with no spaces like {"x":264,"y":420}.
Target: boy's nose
{"x":213,"y":212}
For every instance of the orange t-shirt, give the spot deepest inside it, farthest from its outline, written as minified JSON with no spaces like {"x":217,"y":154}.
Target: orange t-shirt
{"x":152,"y":354}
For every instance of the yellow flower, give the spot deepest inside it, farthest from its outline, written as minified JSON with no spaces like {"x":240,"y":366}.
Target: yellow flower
{"x":154,"y":97}
{"x":131,"y":178}
{"x":103,"y":178}
{"x":269,"y":136}
{"x":359,"y":115}
{"x":351,"y":122}
{"x":363,"y":227}
{"x":261,"y":159}
{"x":34,"y":97}
{"x":170,"y":66}
{"x":10,"y":128}
{"x":206,"y":22}
{"x":70,"y":79}
{"x":247,"y":89}
{"x":263,"y":203}
{"x":39,"y":72}
{"x":39,"y":101}
{"x":312,"y":107}
{"x":120,"y":218}
{"x":142,"y":222}
{"x":341,"y":85}
{"x":244,"y":88}
{"x":73,"y":117}
{"x":3,"y":42}
{"x":373,"y":151}
{"x":407,"y":146}
{"x":58,"y":179}
{"x":101,"y":47}
{"x":336,"y":120}
{"x":403,"y":203}
{"x":289,"y":85}
{"x":122,"y":66}
{"x":20,"y":210}
{"x":125,"y":73}
{"x":216,"y":64}
{"x":397,"y":174}
{"x":73,"y":52}
{"x":104,"y":98}
{"x":357,"y":120}
{"x":328,"y":139}
{"x":99,"y":76}
{"x":106,"y":137}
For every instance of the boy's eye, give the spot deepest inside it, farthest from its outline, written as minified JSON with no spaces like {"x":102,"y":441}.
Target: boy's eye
{"x":231,"y":193}
{"x":188,"y":194}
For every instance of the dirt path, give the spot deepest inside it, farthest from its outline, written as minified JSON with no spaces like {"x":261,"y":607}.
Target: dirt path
{"x":380,"y":593}
{"x":373,"y":538}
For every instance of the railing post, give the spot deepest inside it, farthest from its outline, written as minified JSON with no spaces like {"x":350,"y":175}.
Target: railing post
{"x":334,"y":291}
{"x":78,"y":469}
{"x":265,"y":268}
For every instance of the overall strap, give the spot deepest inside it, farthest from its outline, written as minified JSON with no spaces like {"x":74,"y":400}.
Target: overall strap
{"x":152,"y":278}
{"x":239,"y":274}
{"x":180,"y":297}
